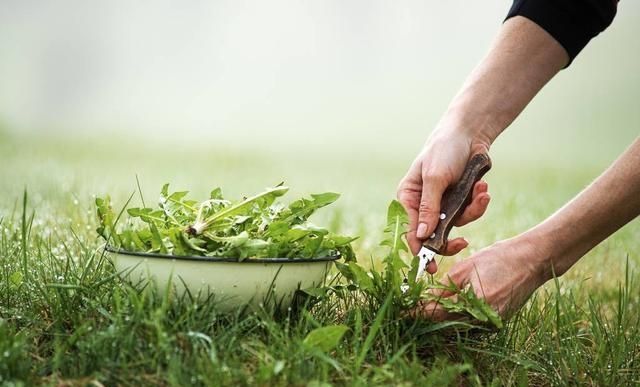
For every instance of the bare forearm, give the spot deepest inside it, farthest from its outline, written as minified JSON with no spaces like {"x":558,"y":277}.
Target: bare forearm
{"x":609,"y":203}
{"x":521,"y":61}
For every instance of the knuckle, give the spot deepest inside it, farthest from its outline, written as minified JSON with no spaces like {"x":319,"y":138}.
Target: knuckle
{"x":436,"y":176}
{"x":426,"y":208}
{"x":432,"y":178}
{"x":401,"y":192}
{"x":473,"y":212}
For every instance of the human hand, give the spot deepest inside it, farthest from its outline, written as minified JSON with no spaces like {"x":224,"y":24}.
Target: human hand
{"x":504,"y":274}
{"x":439,"y":165}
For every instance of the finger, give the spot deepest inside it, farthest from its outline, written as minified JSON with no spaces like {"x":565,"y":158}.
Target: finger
{"x":429,"y":209}
{"x":475,"y":210}
{"x":455,"y":246}
{"x":432,"y":267}
{"x":479,"y":187}
{"x":410,"y":200}
{"x":478,"y":206}
{"x":414,"y":243}
{"x":412,"y":239}
{"x":433,"y":311}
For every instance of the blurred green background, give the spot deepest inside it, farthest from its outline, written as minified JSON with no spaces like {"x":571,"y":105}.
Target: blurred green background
{"x":331,"y":95}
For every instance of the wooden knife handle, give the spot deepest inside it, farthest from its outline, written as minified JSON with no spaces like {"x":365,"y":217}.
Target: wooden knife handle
{"x":455,"y":200}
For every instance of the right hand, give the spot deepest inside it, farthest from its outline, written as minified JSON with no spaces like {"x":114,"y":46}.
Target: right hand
{"x":439,"y":165}
{"x":504,"y":274}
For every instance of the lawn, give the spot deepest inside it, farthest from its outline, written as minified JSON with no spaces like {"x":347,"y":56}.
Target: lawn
{"x":66,"y":319}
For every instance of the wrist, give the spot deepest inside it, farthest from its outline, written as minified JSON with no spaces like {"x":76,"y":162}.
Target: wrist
{"x":476,"y":126}
{"x":525,"y":255}
{"x":548,"y":260}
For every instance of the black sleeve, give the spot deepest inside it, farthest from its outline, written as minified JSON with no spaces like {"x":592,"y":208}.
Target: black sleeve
{"x":571,"y":22}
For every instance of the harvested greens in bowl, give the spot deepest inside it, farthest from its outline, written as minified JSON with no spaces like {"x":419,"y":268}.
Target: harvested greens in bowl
{"x":259,"y":226}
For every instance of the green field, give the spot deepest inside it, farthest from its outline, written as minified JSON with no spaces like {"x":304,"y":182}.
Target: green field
{"x":66,"y":320}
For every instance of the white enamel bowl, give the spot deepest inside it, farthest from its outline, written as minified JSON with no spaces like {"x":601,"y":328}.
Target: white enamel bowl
{"x":234,"y":284}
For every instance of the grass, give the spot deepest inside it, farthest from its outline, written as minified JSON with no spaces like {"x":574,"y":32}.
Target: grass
{"x":67,"y":319}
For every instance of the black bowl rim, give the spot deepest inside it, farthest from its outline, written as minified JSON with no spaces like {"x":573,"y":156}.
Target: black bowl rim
{"x":219,"y":259}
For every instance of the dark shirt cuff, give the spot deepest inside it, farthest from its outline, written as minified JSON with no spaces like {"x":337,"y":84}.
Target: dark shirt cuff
{"x":573,"y":23}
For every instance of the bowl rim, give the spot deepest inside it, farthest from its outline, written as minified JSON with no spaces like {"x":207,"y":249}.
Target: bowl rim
{"x":114,"y":250}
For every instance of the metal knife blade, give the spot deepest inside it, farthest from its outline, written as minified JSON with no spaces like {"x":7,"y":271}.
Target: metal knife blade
{"x":426,"y":255}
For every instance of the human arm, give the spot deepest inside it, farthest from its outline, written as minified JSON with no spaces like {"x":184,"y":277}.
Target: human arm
{"x":508,"y":272}
{"x":523,"y":58}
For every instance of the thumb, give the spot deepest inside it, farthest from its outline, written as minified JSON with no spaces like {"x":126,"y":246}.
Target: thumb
{"x":429,"y":209}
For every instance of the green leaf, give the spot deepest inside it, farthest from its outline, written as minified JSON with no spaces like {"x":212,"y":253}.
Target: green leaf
{"x":164,"y":192}
{"x":396,"y":212}
{"x":193,"y":243}
{"x":326,"y":338}
{"x":231,"y":241}
{"x":265,"y":199}
{"x":277,"y":228}
{"x":295,"y":233}
{"x":147,"y":215}
{"x":316,"y":292}
{"x":312,"y":244}
{"x":257,"y":226}
{"x":177,"y":196}
{"x":16,"y":279}
{"x":397,"y":220}
{"x":157,"y":242}
{"x":301,"y":209}
{"x":356,"y":274}
{"x":467,"y":303}
{"x":481,"y":310}
{"x":340,"y":240}
{"x":107,"y":219}
{"x":216,"y":194}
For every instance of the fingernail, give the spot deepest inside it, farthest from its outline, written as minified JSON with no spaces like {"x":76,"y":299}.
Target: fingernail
{"x":421,"y":233}
{"x":484,"y":201}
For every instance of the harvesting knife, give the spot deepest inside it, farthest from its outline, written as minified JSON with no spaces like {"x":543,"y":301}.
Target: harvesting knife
{"x":454,"y":201}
